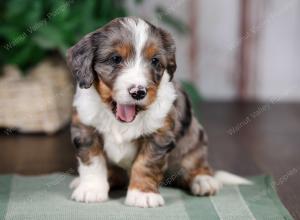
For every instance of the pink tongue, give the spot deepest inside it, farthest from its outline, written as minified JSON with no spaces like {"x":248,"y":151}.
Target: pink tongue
{"x":126,"y":112}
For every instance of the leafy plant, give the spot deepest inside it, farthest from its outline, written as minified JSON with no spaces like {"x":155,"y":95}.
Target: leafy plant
{"x":30,"y":30}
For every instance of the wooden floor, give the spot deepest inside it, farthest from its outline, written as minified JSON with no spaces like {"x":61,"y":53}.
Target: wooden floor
{"x":247,"y":139}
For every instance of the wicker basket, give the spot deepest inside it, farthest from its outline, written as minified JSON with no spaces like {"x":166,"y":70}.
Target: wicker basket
{"x":39,"y":102}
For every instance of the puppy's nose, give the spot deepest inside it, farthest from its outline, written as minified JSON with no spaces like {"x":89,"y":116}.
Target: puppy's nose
{"x":138,"y":92}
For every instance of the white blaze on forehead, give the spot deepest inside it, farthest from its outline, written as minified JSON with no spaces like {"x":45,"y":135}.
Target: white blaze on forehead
{"x":139,"y":28}
{"x":134,"y":72}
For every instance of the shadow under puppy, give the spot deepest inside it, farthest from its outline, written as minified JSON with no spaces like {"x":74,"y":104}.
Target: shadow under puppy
{"x":131,"y":119}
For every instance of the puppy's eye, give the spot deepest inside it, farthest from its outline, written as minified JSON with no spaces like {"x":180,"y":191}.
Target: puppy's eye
{"x":116,"y":59}
{"x":154,"y":61}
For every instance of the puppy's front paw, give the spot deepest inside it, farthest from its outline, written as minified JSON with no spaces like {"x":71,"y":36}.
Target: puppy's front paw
{"x":204,"y":185}
{"x":90,"y":192}
{"x":144,"y":199}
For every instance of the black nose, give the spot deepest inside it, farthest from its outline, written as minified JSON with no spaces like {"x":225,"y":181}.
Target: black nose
{"x":138,"y":92}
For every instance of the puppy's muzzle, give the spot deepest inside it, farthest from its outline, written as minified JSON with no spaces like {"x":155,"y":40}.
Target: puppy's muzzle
{"x":138,"y":92}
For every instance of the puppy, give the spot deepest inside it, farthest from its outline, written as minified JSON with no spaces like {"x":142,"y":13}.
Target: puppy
{"x":132,"y":124}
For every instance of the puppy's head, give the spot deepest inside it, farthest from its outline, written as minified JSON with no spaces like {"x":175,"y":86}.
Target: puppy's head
{"x":125,"y":61}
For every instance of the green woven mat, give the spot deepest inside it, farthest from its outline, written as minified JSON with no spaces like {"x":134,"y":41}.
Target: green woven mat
{"x":48,"y":197}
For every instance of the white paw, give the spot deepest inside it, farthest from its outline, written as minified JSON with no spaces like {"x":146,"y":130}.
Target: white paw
{"x":75,"y":183}
{"x":90,"y":191}
{"x":204,"y":185}
{"x":144,"y":199}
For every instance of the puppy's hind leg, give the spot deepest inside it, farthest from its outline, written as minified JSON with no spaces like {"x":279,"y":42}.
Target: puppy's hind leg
{"x":195,"y":173}
{"x":192,"y":171}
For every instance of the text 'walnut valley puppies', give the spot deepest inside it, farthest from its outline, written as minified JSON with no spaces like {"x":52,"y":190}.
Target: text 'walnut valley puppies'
{"x":131,"y":122}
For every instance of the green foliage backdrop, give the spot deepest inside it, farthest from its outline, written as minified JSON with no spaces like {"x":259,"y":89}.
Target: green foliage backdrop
{"x":33,"y":29}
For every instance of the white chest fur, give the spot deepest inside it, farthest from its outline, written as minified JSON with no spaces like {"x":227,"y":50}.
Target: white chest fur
{"x":120,"y":153}
{"x":118,"y":136}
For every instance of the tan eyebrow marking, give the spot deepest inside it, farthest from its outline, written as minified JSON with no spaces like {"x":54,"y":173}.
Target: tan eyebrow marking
{"x":124,"y":49}
{"x":150,"y":50}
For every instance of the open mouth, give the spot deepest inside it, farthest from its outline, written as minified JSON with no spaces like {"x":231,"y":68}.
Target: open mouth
{"x":125,"y":112}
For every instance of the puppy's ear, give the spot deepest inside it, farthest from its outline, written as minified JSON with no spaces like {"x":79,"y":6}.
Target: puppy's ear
{"x":169,"y":46}
{"x":80,"y":59}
